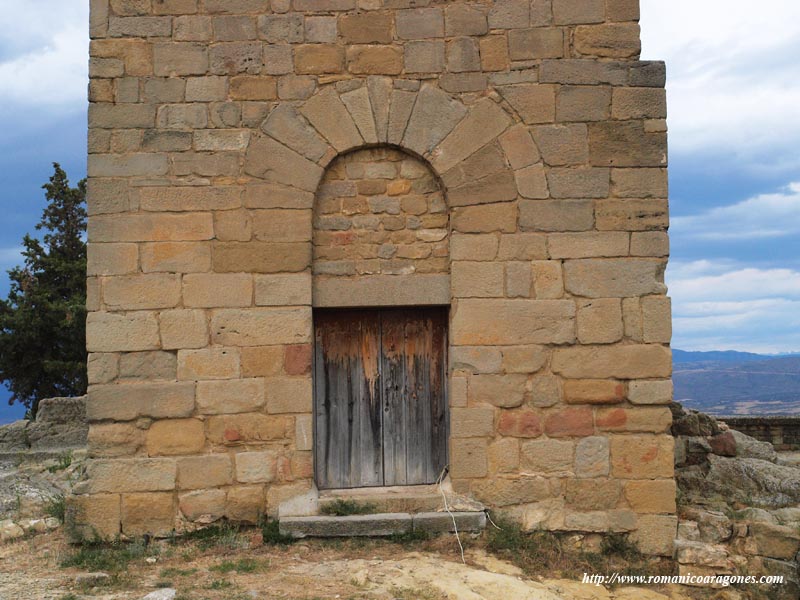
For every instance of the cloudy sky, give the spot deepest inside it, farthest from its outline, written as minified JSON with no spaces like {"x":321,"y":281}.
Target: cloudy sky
{"x":734,"y":93}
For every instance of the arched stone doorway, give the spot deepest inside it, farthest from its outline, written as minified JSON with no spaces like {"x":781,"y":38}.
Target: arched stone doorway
{"x":381,"y":244}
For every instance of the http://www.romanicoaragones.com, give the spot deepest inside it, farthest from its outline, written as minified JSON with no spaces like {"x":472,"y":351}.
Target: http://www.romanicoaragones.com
{"x":687,"y":579}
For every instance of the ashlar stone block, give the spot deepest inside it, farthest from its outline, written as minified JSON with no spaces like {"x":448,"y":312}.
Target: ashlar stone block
{"x":536,"y":43}
{"x":578,"y":12}
{"x":131,"y":475}
{"x":494,"y":53}
{"x":369,"y":59}
{"x":600,"y":321}
{"x":651,"y":496}
{"x":127,"y":402}
{"x":505,"y":391}
{"x":524,"y":359}
{"x":283,"y":289}
{"x":614,"y":277}
{"x":594,"y":391}
{"x":261,"y":326}
{"x":230,"y":396}
{"x":592,"y":457}
{"x":650,"y":392}
{"x":468,"y":458}
{"x":96,"y":515}
{"x":248,"y":428}
{"x":534,"y":102}
{"x":328,"y":115}
{"x":477,"y":279}
{"x":642,"y":456}
{"x":548,"y":456}
{"x":175,"y":436}
{"x":420,"y":23}
{"x":496,"y":322}
{"x":359,"y":106}
{"x":217,"y":290}
{"x":366,"y":28}
{"x":472,"y":422}
{"x":204,"y":471}
{"x":112,"y":259}
{"x":657,"y":319}
{"x":287,"y":126}
{"x":261,"y":257}
{"x":208,"y":363}
{"x":520,"y":423}
{"x":508,"y":492}
{"x":621,"y":362}
{"x":509,"y":14}
{"x":203,"y":505}
{"x":144,"y":366}
{"x":486,"y":218}
{"x":129,"y":332}
{"x":183,"y":329}
{"x":231,"y":58}
{"x":641,"y":419}
{"x":175,"y":257}
{"x":271,"y":161}
{"x":608,"y":40}
{"x":485,"y":121}
{"x":556,"y":215}
{"x":256,"y":467}
{"x":475,"y":359}
{"x":289,"y":395}
{"x":151,"y":228}
{"x":519,"y":147}
{"x":434,"y":116}
{"x":179,"y":59}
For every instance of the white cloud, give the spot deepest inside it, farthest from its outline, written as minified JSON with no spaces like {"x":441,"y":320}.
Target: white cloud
{"x":45,"y":53}
{"x":728,"y":306}
{"x":763,"y":216}
{"x":732,"y":74}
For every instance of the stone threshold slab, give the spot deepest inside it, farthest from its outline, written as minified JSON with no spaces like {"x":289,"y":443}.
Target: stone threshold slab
{"x":405,"y":499}
{"x":379,"y":525}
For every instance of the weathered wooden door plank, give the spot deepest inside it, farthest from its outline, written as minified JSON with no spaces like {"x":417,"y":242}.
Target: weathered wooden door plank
{"x":440,"y":432}
{"x":347,"y":403}
{"x":395,"y":408}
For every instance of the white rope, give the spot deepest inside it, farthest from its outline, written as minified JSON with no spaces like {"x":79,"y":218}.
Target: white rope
{"x":449,"y":512}
{"x":488,"y":516}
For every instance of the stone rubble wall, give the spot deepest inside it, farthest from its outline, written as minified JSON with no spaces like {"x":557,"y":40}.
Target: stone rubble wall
{"x":217,"y":132}
{"x":739,"y":505}
{"x":782,"y":432}
{"x":380,"y":212}
{"x":38,"y":461}
{"x":60,"y":424}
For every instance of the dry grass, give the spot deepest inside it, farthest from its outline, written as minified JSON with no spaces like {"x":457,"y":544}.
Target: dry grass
{"x":550,"y":553}
{"x":230,"y":562}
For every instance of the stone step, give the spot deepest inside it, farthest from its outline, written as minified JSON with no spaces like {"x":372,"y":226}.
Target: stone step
{"x":403,"y":499}
{"x":382,"y":524}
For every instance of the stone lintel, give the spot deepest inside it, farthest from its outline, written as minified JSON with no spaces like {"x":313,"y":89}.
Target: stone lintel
{"x":382,"y":290}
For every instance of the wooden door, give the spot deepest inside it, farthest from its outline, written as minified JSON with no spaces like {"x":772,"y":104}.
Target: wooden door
{"x":380,"y":406}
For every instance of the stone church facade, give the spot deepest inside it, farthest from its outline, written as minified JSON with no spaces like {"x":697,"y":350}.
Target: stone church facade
{"x":333,"y":240}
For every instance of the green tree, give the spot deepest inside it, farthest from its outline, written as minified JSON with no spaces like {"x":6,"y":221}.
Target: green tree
{"x":42,"y":322}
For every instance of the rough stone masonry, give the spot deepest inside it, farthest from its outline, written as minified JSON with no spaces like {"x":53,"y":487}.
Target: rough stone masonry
{"x":251,"y":161}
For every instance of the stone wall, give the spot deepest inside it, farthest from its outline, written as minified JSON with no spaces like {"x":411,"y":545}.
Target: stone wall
{"x":380,"y":211}
{"x":226,"y":138}
{"x":781,"y":432}
{"x":60,"y":425}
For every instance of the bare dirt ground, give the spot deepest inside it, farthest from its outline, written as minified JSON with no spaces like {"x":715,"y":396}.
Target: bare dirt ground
{"x":236,"y":567}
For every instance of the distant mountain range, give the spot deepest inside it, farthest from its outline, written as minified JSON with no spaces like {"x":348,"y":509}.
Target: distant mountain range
{"x":737,"y":383}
